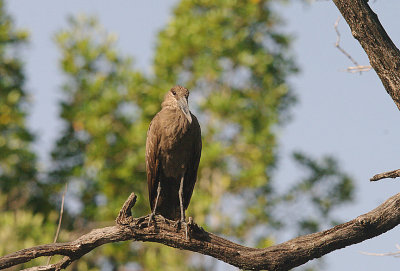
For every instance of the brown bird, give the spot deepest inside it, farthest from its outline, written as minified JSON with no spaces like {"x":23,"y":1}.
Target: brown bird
{"x":173,"y":149}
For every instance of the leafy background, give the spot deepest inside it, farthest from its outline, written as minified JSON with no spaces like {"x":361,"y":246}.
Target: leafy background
{"x":106,"y":74}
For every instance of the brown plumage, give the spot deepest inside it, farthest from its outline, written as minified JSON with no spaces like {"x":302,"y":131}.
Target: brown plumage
{"x":173,"y":150}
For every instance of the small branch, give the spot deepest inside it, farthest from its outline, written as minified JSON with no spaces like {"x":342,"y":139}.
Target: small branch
{"x":394,"y":254}
{"x":60,"y":219}
{"x":390,"y":174}
{"x":357,"y":67}
{"x":337,"y":44}
{"x":283,"y":256}
{"x":61,"y":214}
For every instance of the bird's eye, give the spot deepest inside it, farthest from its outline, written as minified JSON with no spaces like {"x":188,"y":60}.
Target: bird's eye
{"x":173,"y":92}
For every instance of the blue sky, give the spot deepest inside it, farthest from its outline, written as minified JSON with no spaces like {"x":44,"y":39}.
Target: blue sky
{"x":346,"y":115}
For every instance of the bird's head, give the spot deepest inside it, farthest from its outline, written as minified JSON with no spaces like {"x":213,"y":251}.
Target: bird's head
{"x":177,"y":97}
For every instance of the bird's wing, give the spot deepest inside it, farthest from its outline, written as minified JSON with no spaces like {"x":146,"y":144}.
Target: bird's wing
{"x":152,"y":160}
{"x":193,"y":165}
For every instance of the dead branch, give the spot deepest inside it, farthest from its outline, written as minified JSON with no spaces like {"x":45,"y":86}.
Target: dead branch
{"x":278,"y":257}
{"x":383,"y":55}
{"x":360,"y":68}
{"x":337,"y":43}
{"x":357,"y":67}
{"x":59,"y":219}
{"x":394,"y":254}
{"x":389,"y":174}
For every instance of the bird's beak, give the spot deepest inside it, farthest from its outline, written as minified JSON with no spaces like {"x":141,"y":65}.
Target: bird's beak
{"x":183,"y":105}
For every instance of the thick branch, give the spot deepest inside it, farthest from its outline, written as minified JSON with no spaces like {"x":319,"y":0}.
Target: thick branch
{"x":279,"y":257}
{"x":382,"y":53}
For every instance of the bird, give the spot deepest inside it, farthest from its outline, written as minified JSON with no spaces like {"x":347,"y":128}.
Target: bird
{"x":173,"y":151}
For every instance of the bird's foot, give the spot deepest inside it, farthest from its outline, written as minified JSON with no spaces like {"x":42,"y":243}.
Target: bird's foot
{"x":183,"y":223}
{"x":163,"y":219}
{"x":186,"y":229}
{"x":176,"y":224}
{"x":151,"y":218}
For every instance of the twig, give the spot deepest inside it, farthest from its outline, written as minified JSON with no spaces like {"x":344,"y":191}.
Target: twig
{"x":283,"y":256}
{"x":357,"y":67}
{"x":337,"y":44}
{"x":395,"y":254}
{"x":59,"y":220}
{"x":389,"y":174}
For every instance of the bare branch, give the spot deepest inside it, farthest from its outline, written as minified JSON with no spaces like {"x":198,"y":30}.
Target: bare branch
{"x":61,"y":214}
{"x":383,"y":55}
{"x":394,"y":254}
{"x":389,"y":174}
{"x":357,"y":67}
{"x":279,"y":257}
{"x":360,"y":69}
{"x":60,"y":219}
{"x":337,"y":44}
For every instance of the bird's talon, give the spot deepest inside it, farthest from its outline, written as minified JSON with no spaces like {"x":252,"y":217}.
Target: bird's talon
{"x":163,"y":219}
{"x":183,"y":222}
{"x":186,"y":231}
{"x":151,"y":216}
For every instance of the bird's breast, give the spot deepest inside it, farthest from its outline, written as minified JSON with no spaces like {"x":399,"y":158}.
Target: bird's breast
{"x":176,"y":146}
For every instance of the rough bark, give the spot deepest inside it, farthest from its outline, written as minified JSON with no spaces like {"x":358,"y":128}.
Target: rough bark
{"x":383,"y":55}
{"x":283,"y":256}
{"x":390,"y":174}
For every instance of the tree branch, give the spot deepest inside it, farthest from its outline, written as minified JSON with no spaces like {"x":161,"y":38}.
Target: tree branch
{"x":390,"y":174}
{"x":383,"y":55}
{"x":337,"y":43}
{"x":279,"y":257}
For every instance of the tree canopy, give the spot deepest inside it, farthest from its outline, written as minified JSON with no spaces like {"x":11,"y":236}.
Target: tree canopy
{"x":236,"y":61}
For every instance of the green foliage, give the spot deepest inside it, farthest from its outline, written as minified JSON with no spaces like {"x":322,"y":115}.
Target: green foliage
{"x":100,"y":150}
{"x":17,"y":162}
{"x":24,"y":207}
{"x":327,"y":185}
{"x":106,"y":112}
{"x":23,"y":229}
{"x":323,"y":189}
{"x":19,"y":182}
{"x":235,"y":59}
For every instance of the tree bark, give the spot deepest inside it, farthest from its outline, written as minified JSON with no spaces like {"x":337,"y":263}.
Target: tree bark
{"x":390,"y":174}
{"x":383,"y":55}
{"x":283,"y":256}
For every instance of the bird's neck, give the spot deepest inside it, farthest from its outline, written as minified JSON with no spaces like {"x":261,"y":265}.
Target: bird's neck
{"x":175,"y":118}
{"x":171,"y":109}
{"x":167,"y":103}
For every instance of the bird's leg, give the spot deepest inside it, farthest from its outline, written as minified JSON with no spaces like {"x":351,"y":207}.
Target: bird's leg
{"x":155,"y":205}
{"x":181,"y":204}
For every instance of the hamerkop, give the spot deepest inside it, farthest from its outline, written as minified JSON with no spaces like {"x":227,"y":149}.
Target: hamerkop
{"x":173,"y":150}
